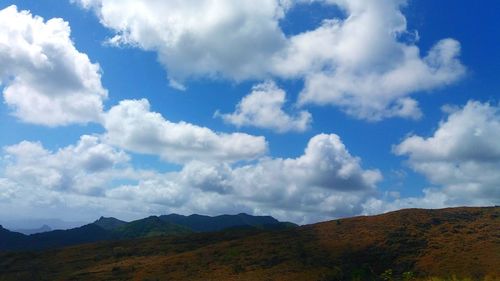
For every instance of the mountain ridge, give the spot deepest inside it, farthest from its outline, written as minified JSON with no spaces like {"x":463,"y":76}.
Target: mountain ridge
{"x":110,"y":228}
{"x":202,"y":223}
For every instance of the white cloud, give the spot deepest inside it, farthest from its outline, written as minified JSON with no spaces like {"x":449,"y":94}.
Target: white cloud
{"x":46,"y":80}
{"x":326,"y":181}
{"x":263,"y":108}
{"x":132,"y":126}
{"x":85,"y":168}
{"x":361,"y":63}
{"x":69,"y":183}
{"x":215,"y":38}
{"x":207,"y":177}
{"x":462,"y":156}
{"x":431,"y":199}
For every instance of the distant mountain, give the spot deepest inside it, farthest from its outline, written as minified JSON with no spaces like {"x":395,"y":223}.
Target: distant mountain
{"x":35,"y":223}
{"x":109,"y":223}
{"x":109,"y":228}
{"x":199,"y":223}
{"x":413,"y":244}
{"x":150,"y":226}
{"x":44,"y":228}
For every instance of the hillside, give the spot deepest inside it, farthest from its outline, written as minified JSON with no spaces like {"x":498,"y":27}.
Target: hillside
{"x":402,"y":245}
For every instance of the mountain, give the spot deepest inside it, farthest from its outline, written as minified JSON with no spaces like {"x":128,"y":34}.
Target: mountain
{"x":413,"y":244}
{"x":151,"y":226}
{"x":14,"y":241}
{"x":199,"y":223}
{"x":101,"y":230}
{"x":62,"y":238}
{"x":105,"y":229}
{"x":44,"y":228}
{"x":10,"y":239}
{"x":109,"y":223}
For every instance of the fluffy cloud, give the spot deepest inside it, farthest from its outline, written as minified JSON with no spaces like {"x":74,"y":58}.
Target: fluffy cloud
{"x":431,"y":199}
{"x":326,"y":181}
{"x":263,"y":108}
{"x":216,"y":38}
{"x":363,"y":63}
{"x":462,"y":156}
{"x":85,"y":168}
{"x":132,"y":126}
{"x":46,"y":80}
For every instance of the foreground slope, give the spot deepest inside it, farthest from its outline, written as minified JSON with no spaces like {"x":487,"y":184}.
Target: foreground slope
{"x":464,"y":242}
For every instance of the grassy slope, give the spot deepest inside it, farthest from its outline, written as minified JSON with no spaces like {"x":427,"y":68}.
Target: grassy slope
{"x":461,"y":241}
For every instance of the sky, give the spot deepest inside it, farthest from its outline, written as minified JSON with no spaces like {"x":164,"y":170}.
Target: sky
{"x":306,"y":110}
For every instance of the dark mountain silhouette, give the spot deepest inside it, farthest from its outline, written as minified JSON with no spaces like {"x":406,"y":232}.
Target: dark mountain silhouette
{"x":110,"y":228}
{"x":44,"y":228}
{"x":199,"y":223}
{"x":109,"y":223}
{"x":14,"y":241}
{"x":147,"y":227}
{"x":10,"y":239}
{"x":61,"y":238}
{"x":414,"y":244}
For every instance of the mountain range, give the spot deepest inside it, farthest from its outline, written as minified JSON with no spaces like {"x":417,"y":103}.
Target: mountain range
{"x":106,"y":229}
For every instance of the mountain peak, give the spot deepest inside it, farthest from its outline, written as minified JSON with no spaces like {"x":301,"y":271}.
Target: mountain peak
{"x":43,"y":228}
{"x":109,"y":223}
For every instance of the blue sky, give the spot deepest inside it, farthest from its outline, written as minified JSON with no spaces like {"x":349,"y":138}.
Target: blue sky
{"x":396,"y":103}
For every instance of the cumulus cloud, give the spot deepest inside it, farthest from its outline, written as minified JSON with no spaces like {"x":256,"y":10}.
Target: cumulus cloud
{"x":325,"y":182}
{"x":46,"y":79}
{"x":431,"y":199}
{"x":84,"y":168}
{"x":132,"y":126}
{"x":363,"y":63}
{"x":215,"y":38}
{"x":462,"y":156}
{"x":263,"y":108}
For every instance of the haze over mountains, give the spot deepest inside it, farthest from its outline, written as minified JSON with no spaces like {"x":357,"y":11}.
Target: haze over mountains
{"x":43,"y":228}
{"x":35,"y":224}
